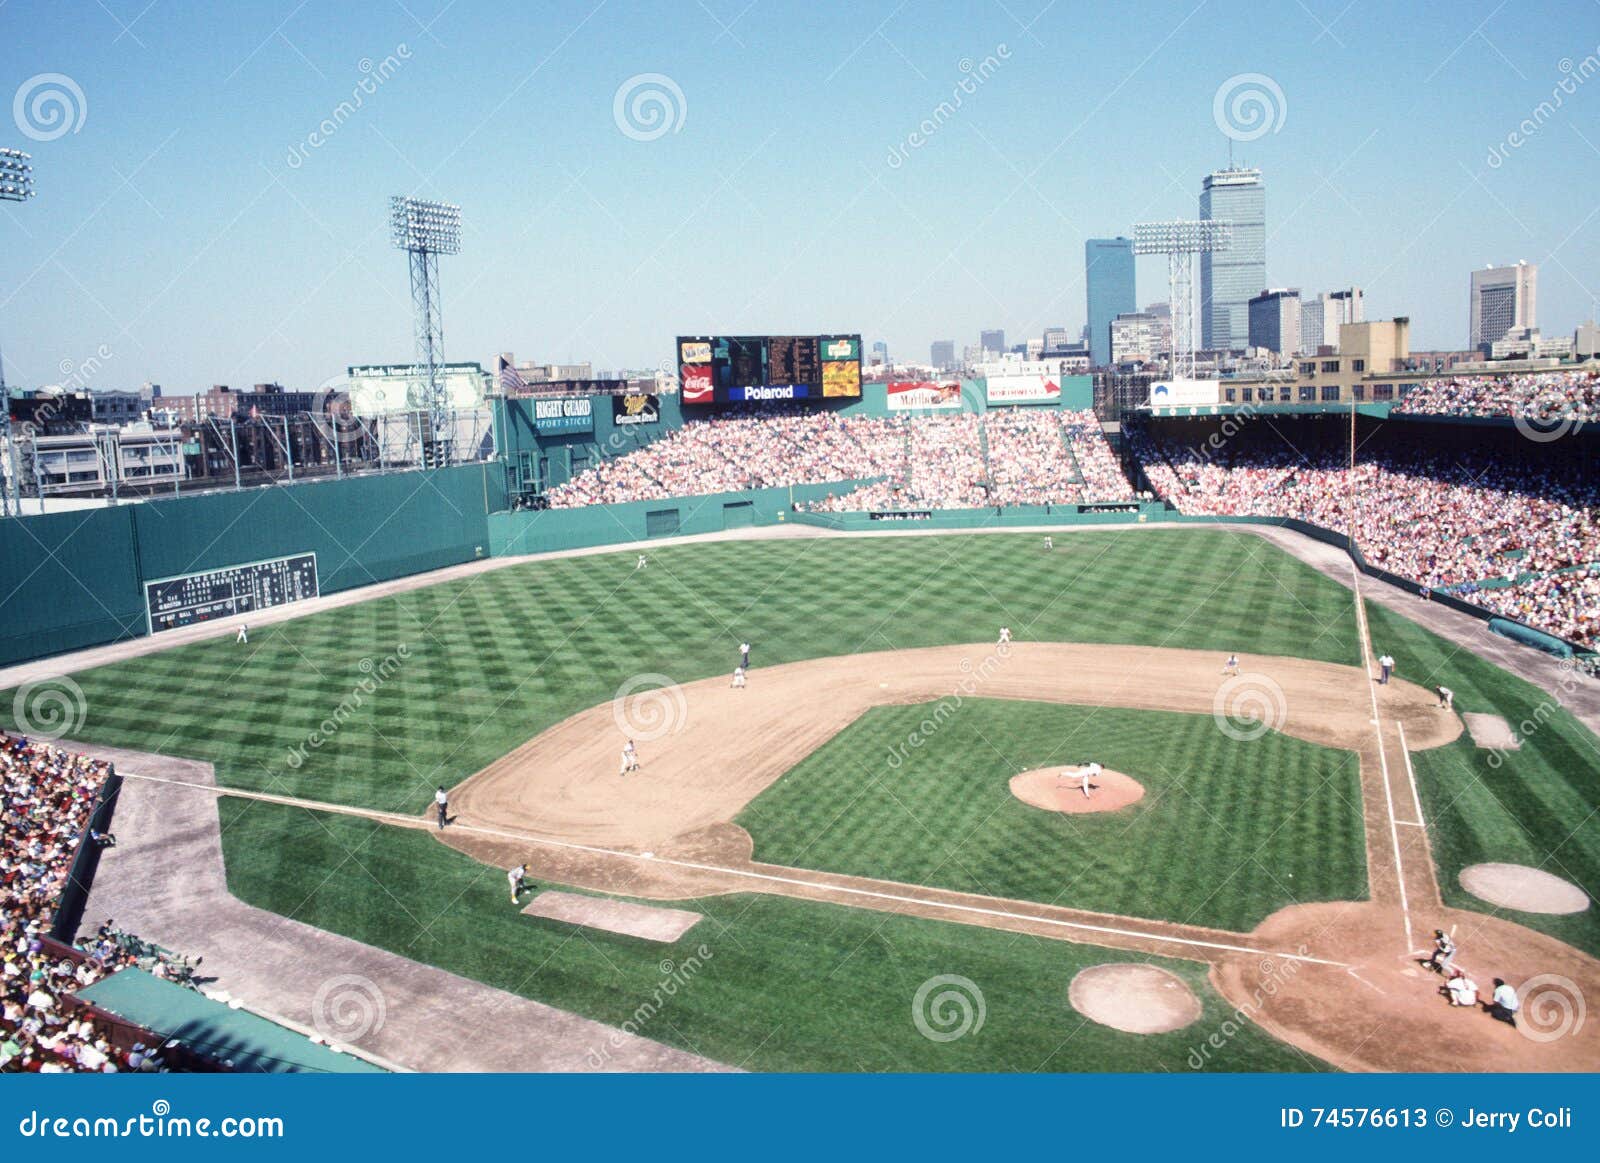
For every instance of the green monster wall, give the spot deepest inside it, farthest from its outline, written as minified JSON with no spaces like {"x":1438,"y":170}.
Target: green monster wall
{"x":71,"y":580}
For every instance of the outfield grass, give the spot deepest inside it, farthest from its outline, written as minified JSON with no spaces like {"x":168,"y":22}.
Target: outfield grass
{"x":1228,"y":831}
{"x":476,"y":666}
{"x":1538,"y":806}
{"x":787,"y":985}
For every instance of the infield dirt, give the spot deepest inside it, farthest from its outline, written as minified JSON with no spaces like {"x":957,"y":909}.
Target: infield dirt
{"x":1340,"y":980}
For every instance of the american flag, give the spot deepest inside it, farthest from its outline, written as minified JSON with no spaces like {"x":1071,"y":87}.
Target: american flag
{"x":511,"y":383}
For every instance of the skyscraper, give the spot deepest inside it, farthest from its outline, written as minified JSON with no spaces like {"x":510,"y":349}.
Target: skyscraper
{"x":1275,"y":320}
{"x":942,"y":355}
{"x":1230,"y":278}
{"x":1321,"y":318}
{"x":1109,"y":290}
{"x":993,"y":340}
{"x":1503,"y":299}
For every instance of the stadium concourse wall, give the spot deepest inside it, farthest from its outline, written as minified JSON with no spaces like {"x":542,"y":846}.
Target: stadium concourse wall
{"x":73,"y":580}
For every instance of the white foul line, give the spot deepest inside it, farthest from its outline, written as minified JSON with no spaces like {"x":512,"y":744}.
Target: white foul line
{"x":414,"y":822}
{"x":1383,"y":762}
{"x":1410,"y":774}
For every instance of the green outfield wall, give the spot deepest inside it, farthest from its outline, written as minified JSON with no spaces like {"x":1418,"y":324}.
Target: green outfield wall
{"x":551,"y":530}
{"x":72,"y":580}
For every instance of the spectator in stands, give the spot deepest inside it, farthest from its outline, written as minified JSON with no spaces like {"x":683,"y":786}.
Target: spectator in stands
{"x":1522,"y":539}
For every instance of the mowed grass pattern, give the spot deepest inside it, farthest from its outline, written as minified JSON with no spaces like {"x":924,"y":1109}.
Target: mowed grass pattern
{"x":1538,"y":806}
{"x":1228,"y":831}
{"x":473,"y":667}
{"x":781,"y":984}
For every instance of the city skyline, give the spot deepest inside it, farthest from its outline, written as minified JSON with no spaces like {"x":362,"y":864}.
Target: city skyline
{"x":195,"y":234}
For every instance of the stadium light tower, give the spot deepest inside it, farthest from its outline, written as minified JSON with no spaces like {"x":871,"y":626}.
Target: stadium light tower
{"x":16,"y":185}
{"x":425,"y":230}
{"x":1180,"y":241}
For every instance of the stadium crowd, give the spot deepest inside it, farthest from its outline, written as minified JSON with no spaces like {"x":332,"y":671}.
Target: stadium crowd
{"x":46,"y":798}
{"x":1546,"y":396}
{"x":1453,"y":524}
{"x":1007,"y":457}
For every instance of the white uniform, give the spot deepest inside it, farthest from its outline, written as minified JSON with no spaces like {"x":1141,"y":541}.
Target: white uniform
{"x":630,"y":758}
{"x":640,"y":564}
{"x":1005,"y":635}
{"x":515,"y":877}
{"x":1232,"y":665}
{"x":1090,"y":774}
{"x":243,"y":635}
{"x":738,"y":677}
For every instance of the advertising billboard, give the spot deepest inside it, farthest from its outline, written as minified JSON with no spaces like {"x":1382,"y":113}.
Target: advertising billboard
{"x":1023,"y":389}
{"x":924,"y":396}
{"x":564,"y":414}
{"x":636,"y":409}
{"x":1183,"y":393}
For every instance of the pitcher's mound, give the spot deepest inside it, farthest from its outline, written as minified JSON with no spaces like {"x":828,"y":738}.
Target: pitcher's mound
{"x":1060,"y":789}
{"x":1516,"y":886}
{"x":1136,"y":999}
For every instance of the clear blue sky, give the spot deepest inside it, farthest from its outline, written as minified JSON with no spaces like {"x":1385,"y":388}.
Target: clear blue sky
{"x":171,"y":230}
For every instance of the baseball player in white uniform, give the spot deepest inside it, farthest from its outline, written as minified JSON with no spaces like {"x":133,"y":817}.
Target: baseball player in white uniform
{"x":1005,"y":636}
{"x":515,"y":877}
{"x":630,"y":758}
{"x":738,"y":678}
{"x":1232,"y":665}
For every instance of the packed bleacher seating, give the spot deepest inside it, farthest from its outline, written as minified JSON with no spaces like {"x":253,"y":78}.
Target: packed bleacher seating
{"x":781,"y":447}
{"x":47,"y":796}
{"x":1026,"y":456}
{"x":1547,"y":397}
{"x":1514,"y":537}
{"x":1005,"y":457}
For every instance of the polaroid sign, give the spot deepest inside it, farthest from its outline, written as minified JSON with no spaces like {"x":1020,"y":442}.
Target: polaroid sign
{"x":564,"y":415}
{"x":774,"y":392}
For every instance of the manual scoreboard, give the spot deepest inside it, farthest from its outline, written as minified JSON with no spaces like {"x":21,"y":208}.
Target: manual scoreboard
{"x":171,"y":602}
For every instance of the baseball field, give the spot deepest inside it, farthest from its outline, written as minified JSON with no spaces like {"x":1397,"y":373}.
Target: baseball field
{"x":875,"y":893}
